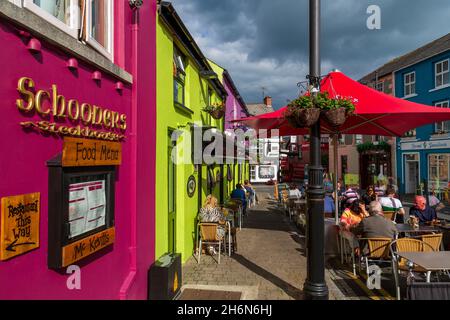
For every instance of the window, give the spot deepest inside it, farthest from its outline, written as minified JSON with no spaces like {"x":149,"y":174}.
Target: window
{"x":65,"y":14}
{"x":442,"y":127}
{"x":99,"y":22}
{"x":348,"y":139}
{"x":379,"y":86}
{"x":410,"y":84}
{"x":359,"y":139}
{"x":410,"y":134}
{"x":438,"y":170}
{"x":179,"y":76}
{"x":341,"y":139}
{"x":442,"y":73}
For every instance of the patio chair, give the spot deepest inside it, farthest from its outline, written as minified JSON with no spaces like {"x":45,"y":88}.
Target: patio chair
{"x":400,"y":264}
{"x":378,"y":250}
{"x":208,"y":235}
{"x":239,"y":212}
{"x":434,"y":240}
{"x":389,"y":215}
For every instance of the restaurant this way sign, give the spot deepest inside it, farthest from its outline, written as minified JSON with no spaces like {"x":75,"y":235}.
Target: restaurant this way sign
{"x":19,"y":225}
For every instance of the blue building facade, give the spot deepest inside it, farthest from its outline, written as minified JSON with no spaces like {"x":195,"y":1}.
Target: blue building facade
{"x":424,"y":154}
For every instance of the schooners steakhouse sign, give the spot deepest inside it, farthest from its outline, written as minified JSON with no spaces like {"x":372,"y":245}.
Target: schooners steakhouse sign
{"x":53,"y":107}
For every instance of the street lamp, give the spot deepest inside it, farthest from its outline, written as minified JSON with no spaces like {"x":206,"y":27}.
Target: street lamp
{"x":315,"y":287}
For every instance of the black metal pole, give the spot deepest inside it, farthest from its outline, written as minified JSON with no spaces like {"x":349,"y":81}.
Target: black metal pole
{"x":315,"y":287}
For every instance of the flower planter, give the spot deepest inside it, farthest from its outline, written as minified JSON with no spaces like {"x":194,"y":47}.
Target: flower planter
{"x":217,"y":114}
{"x":303,"y":118}
{"x":335,"y":117}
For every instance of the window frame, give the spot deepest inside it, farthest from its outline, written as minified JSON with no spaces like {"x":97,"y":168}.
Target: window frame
{"x":69,"y":29}
{"x":441,"y":104}
{"x":441,"y":74}
{"x":439,"y":155}
{"x":107,"y":52}
{"x":377,"y":86}
{"x":409,"y":84}
{"x":178,"y":56}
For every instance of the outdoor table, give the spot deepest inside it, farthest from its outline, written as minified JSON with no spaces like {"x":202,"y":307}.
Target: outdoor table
{"x":406,"y":228}
{"x":430,"y":261}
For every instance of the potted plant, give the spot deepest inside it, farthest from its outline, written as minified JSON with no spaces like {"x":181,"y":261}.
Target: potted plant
{"x":302,"y":112}
{"x":216,"y":110}
{"x":336,"y":111}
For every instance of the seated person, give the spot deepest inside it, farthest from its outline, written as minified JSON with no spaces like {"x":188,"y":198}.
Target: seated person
{"x":353,"y":215}
{"x":375,"y":225}
{"x":348,"y":197}
{"x":422,"y":211}
{"x":210,"y":212}
{"x":294,"y":192}
{"x":248,"y":187}
{"x":369,"y":196}
{"x":390,"y":203}
{"x":435,"y":203}
{"x":239,"y":193}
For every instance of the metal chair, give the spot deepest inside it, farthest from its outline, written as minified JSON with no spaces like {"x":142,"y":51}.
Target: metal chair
{"x":208,"y":235}
{"x":400,"y":264}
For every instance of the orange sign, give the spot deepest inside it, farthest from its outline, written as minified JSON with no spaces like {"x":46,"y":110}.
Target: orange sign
{"x":19,"y":225}
{"x":87,"y":246}
{"x":85,"y":152}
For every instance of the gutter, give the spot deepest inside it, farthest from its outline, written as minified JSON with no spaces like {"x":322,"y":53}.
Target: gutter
{"x":131,"y":277}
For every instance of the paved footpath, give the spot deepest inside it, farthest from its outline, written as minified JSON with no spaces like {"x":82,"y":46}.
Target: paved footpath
{"x":269,"y":264}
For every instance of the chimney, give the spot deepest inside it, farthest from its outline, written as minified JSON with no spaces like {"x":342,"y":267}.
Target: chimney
{"x":268,"y":101}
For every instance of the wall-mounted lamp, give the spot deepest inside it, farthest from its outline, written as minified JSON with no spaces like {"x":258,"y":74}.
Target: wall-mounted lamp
{"x":97,"y":76}
{"x":72,"y":63}
{"x":34,"y":45}
{"x":119,"y":86}
{"x":136,"y":4}
{"x":208,"y":74}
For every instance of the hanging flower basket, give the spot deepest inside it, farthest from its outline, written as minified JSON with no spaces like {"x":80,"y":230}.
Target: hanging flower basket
{"x":335,"y":117}
{"x":216,"y":110}
{"x":217,"y":114}
{"x":303,"y":118}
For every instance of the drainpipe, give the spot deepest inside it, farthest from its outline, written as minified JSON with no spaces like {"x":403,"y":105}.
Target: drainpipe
{"x":131,"y":277}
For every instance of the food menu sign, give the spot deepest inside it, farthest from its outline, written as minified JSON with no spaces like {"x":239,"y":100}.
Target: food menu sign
{"x":19,"y":225}
{"x":87,"y":207}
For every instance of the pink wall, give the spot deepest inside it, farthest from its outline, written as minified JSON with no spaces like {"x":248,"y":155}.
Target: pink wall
{"x":23,"y":165}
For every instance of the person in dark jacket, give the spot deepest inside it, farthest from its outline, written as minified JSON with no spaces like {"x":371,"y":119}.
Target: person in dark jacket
{"x":422,"y":211}
{"x":369,"y":196}
{"x":239,"y":193}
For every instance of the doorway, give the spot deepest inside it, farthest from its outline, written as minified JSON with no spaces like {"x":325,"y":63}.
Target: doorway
{"x":171,"y":196}
{"x":412,"y":174}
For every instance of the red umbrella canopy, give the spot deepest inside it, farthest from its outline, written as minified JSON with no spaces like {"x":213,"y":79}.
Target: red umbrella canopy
{"x":376,"y":113}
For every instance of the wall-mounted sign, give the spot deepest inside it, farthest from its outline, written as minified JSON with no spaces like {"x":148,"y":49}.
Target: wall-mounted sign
{"x":425,"y":145}
{"x":50,"y":104}
{"x":88,"y":153}
{"x":191,"y":186}
{"x":87,"y":246}
{"x":19,"y":225}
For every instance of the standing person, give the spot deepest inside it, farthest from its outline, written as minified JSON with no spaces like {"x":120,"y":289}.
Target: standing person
{"x":390,"y":203}
{"x":435,"y":203}
{"x":422,"y":211}
{"x":329,"y":209}
{"x":239,"y":194}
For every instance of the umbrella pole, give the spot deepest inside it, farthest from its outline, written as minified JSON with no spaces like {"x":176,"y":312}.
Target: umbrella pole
{"x":335,"y":178}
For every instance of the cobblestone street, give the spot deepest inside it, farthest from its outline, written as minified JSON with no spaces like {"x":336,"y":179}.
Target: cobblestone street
{"x":269,"y":264}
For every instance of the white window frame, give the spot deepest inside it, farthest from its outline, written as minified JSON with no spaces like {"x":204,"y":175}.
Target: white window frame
{"x":71,"y":29}
{"x":107,"y":52}
{"x":409,"y":84}
{"x":441,"y":74}
{"x":438,"y":173}
{"x":379,"y":86}
{"x":441,"y":104}
{"x":359,"y":139}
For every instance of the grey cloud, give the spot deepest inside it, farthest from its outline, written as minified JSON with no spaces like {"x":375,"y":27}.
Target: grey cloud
{"x":262,"y":33}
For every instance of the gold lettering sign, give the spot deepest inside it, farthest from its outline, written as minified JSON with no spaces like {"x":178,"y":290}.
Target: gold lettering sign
{"x":19,"y":225}
{"x":87,"y":246}
{"x":50,"y":104}
{"x":84,"y":152}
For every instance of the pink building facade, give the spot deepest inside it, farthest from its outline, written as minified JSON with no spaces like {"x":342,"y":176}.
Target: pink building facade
{"x":118,"y":83}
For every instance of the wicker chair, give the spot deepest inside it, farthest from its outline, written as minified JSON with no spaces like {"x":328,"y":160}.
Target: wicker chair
{"x":378,"y":250}
{"x":389,"y":215}
{"x":399,"y":264}
{"x":434,"y":240}
{"x":208,"y":235}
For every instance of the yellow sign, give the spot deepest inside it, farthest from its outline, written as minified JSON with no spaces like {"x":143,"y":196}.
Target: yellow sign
{"x":87,"y":246}
{"x":351,"y":179}
{"x":84,"y":152}
{"x":50,"y":104}
{"x":19,"y":225}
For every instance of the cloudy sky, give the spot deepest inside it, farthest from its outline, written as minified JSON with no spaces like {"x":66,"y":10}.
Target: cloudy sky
{"x":264,"y":43}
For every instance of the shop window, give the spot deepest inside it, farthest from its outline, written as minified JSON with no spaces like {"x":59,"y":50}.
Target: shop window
{"x":442,"y":73}
{"x":179,"y":77}
{"x":99,"y":25}
{"x":359,"y":139}
{"x":65,"y":14}
{"x":410,"y":84}
{"x":438,"y":170}
{"x":379,"y":86}
{"x":442,"y":127}
{"x":348,"y":139}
